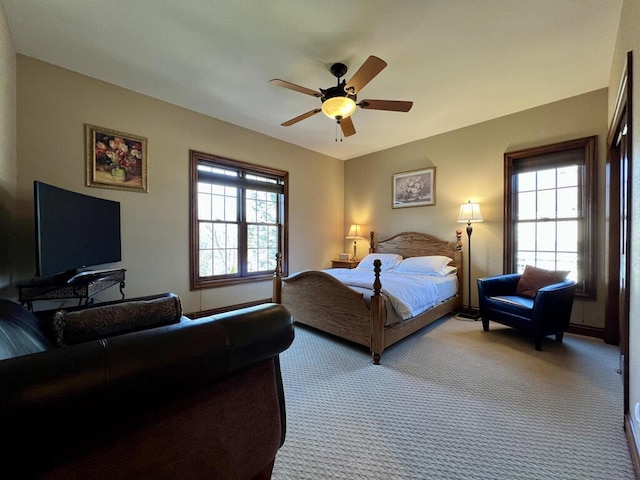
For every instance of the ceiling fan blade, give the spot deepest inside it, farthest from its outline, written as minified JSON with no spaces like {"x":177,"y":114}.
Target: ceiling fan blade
{"x":347,"y":127}
{"x":392,"y":105}
{"x":299,"y":118}
{"x":295,"y":88}
{"x":369,"y":69}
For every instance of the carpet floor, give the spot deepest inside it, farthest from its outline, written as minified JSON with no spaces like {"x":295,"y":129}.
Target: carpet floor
{"x":453,"y":402}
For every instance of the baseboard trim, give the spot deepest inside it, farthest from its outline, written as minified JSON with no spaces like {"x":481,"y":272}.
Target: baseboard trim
{"x":216,"y":311}
{"x":467,"y":314}
{"x":633,"y":443}
{"x":586,"y":331}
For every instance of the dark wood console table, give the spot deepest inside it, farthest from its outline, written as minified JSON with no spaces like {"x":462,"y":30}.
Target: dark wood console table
{"x":82,"y":287}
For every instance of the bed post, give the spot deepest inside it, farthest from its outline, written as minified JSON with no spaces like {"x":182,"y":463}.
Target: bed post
{"x":377,"y":320}
{"x":371,"y":244}
{"x":277,"y":280}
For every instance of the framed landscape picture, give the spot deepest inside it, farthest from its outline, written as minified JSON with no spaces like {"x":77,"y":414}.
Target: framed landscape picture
{"x":115,"y":159}
{"x":414,"y":189}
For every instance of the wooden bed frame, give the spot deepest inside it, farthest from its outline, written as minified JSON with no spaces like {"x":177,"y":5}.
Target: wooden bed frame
{"x":317,"y":299}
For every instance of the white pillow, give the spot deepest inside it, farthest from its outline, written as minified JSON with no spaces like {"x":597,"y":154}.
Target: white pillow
{"x":430,"y":265}
{"x":448,"y":270}
{"x":389,"y":261}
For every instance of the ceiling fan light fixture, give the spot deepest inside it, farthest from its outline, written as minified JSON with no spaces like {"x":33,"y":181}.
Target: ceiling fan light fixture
{"x":338,"y":107}
{"x":339,"y":102}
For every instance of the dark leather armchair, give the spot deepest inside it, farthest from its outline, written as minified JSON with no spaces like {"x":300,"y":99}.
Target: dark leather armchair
{"x":548,"y":313}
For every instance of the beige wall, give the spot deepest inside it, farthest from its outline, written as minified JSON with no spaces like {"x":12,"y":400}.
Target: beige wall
{"x":53,"y":105}
{"x":629,"y":40}
{"x":469,"y":166}
{"x":8,"y":175}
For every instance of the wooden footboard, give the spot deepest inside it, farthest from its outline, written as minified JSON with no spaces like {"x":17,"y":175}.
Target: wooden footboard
{"x":317,"y":299}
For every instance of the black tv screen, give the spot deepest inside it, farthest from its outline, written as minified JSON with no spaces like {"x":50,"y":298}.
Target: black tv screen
{"x":74,"y":231}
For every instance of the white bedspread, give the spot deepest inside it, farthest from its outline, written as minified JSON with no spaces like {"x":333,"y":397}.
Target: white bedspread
{"x":409,"y":294}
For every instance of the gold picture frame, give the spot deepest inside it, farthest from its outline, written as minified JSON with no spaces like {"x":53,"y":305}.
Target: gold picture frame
{"x":414,"y":189}
{"x":115,"y":160}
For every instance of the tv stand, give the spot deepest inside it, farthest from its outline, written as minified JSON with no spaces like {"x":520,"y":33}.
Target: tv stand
{"x":83,"y":286}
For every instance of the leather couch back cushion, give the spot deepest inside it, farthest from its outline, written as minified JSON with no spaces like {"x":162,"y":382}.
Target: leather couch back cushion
{"x":94,"y":323}
{"x":534,"y":278}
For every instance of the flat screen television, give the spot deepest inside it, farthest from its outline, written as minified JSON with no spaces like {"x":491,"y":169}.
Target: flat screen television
{"x":74,"y":231}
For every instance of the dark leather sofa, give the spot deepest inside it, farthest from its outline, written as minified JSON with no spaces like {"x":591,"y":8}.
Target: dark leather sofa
{"x":192,"y":399}
{"x":548,"y":313}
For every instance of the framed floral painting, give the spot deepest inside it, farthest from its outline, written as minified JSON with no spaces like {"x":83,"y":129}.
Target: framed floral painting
{"x":414,"y":189}
{"x":115,"y":159}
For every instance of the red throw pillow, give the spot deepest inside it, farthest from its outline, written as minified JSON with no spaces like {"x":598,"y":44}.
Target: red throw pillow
{"x":534,"y":278}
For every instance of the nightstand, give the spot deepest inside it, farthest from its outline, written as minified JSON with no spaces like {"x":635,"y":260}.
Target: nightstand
{"x":344,"y":263}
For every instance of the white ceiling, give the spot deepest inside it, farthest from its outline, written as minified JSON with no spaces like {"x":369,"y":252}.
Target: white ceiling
{"x":460,"y":61}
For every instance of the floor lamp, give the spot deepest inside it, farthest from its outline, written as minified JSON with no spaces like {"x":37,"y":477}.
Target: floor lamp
{"x":469,"y":213}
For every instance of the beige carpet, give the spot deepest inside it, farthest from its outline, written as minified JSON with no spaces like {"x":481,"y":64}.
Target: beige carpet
{"x":453,"y":402}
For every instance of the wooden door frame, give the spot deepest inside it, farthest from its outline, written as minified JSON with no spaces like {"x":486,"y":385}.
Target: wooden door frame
{"x":622,"y":119}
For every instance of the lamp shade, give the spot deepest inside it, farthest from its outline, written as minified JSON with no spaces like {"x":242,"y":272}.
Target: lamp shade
{"x":355,"y":231}
{"x":469,"y":213}
{"x":338,"y":107}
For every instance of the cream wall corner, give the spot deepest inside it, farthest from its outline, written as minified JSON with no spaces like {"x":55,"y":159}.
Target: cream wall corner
{"x":8,"y":155}
{"x":53,"y":106}
{"x":469,"y":166}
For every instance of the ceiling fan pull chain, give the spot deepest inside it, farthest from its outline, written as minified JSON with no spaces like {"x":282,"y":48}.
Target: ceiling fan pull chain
{"x":339,"y":130}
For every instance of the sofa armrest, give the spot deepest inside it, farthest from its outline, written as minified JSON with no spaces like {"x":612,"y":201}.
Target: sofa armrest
{"x":555,"y":295}
{"x":552,"y":306}
{"x":255,"y":333}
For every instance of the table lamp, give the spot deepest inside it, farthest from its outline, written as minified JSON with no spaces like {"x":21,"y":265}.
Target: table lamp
{"x":355,"y":233}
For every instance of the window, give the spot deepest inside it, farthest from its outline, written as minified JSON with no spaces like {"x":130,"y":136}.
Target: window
{"x":238,"y":220}
{"x":550,"y":196}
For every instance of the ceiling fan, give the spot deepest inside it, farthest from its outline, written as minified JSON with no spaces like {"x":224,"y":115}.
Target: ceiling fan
{"x":339,"y":102}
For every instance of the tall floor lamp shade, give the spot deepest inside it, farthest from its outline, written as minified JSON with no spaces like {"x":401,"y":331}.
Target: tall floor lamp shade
{"x":469,"y":213}
{"x":355,"y":233}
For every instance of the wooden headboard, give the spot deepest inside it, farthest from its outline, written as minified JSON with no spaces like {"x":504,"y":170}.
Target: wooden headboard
{"x":413,"y":244}
{"x":416,"y":244}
